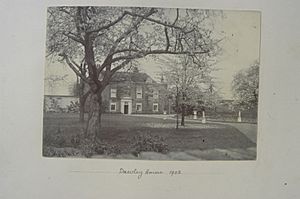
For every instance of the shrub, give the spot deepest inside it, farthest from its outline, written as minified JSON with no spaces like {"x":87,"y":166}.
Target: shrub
{"x":90,"y":146}
{"x":87,"y":146}
{"x":50,"y":151}
{"x":57,"y":139}
{"x":106,"y":149}
{"x":73,"y":107}
{"x":75,"y":140}
{"x":145,"y":142}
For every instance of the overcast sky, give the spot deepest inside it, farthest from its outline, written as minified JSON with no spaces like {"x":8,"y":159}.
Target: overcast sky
{"x":240,"y":49}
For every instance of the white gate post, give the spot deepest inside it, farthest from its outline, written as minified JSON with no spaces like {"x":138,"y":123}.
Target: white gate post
{"x":195,"y":115}
{"x":203,"y":117}
{"x":239,"y":117}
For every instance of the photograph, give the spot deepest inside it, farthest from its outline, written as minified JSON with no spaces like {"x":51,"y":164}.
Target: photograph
{"x":150,"y":83}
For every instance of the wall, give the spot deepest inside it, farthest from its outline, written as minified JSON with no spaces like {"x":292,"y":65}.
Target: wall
{"x":58,"y":103}
{"x":128,"y":89}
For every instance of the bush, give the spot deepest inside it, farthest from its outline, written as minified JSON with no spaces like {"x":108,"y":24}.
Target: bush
{"x":50,"y":151}
{"x":55,"y":140}
{"x":54,"y":145}
{"x":145,"y":142}
{"x":75,"y":140}
{"x":73,"y":107}
{"x":90,"y":146}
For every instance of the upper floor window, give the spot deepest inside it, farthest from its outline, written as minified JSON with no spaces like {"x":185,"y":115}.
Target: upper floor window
{"x":113,"y":92}
{"x":139,"y":92}
{"x":155,"y":94}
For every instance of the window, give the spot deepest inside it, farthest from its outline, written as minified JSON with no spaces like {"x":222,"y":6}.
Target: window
{"x":139,"y":92}
{"x":138,"y":107}
{"x":113,"y":106}
{"x":113,"y":92}
{"x":155,"y":94}
{"x":155,"y":107}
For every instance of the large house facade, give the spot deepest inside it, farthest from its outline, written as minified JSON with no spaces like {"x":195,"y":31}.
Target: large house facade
{"x":135,"y":93}
{"x":127,"y":93}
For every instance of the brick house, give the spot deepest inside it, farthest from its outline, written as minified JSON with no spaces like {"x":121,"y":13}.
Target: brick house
{"x":135,"y":93}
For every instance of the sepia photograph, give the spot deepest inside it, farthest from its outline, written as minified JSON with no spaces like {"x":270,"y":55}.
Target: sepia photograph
{"x":146,"y":83}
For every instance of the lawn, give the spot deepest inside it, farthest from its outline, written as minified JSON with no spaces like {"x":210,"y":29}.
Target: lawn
{"x":120,"y":130}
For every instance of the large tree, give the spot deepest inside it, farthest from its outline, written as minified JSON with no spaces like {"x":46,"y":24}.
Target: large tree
{"x":245,"y":87}
{"x":107,"y":39}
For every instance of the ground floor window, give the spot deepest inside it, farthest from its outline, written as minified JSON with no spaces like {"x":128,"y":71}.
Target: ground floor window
{"x":138,"y":107}
{"x":155,"y":107}
{"x":113,"y":106}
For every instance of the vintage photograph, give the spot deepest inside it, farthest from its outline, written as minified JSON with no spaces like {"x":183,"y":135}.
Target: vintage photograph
{"x":148,"y":83}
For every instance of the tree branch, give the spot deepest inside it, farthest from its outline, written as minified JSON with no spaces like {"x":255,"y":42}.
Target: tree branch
{"x":73,"y":37}
{"x":156,"y":52}
{"x":86,"y":94}
{"x":124,"y":35}
{"x":162,"y":23}
{"x":110,"y":24}
{"x":134,"y":26}
{"x":65,"y":11}
{"x":177,"y":16}
{"x":126,"y":50}
{"x":71,"y":65}
{"x":124,"y":63}
{"x":167,"y":38}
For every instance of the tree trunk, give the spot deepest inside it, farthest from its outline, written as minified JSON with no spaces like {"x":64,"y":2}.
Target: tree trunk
{"x":81,"y":109}
{"x":94,"y":119}
{"x":182,"y":114}
{"x":82,"y":100}
{"x":177,"y":108}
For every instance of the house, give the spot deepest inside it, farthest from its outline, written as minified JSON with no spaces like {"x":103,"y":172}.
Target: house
{"x":135,"y":93}
{"x":127,"y":93}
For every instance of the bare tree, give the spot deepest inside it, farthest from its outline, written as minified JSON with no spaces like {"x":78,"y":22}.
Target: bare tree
{"x":109,"y":38}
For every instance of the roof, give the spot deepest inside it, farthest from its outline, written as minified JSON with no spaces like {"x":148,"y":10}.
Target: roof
{"x":226,"y":101}
{"x":132,"y":76}
{"x":61,"y":96}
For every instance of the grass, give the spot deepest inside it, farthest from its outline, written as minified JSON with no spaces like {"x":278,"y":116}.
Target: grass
{"x":120,"y":130}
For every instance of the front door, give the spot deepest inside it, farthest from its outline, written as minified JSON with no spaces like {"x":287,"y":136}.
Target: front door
{"x":126,"y":109}
{"x":126,"y":106}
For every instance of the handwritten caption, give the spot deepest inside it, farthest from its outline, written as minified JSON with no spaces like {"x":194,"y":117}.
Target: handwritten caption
{"x":148,"y":172}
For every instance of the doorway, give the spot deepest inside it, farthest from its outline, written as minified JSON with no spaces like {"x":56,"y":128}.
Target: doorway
{"x":126,"y":106}
{"x":126,"y":109}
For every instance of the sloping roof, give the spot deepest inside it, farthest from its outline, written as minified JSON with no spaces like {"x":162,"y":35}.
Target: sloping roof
{"x":132,"y":76}
{"x":74,"y":96}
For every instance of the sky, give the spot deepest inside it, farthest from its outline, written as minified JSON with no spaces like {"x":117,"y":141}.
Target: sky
{"x":240,"y":48}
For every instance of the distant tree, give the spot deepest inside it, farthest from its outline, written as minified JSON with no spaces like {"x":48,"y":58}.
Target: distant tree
{"x":245,"y":87}
{"x":209,"y":97}
{"x":107,"y":39}
{"x":189,"y":82}
{"x":55,"y":80}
